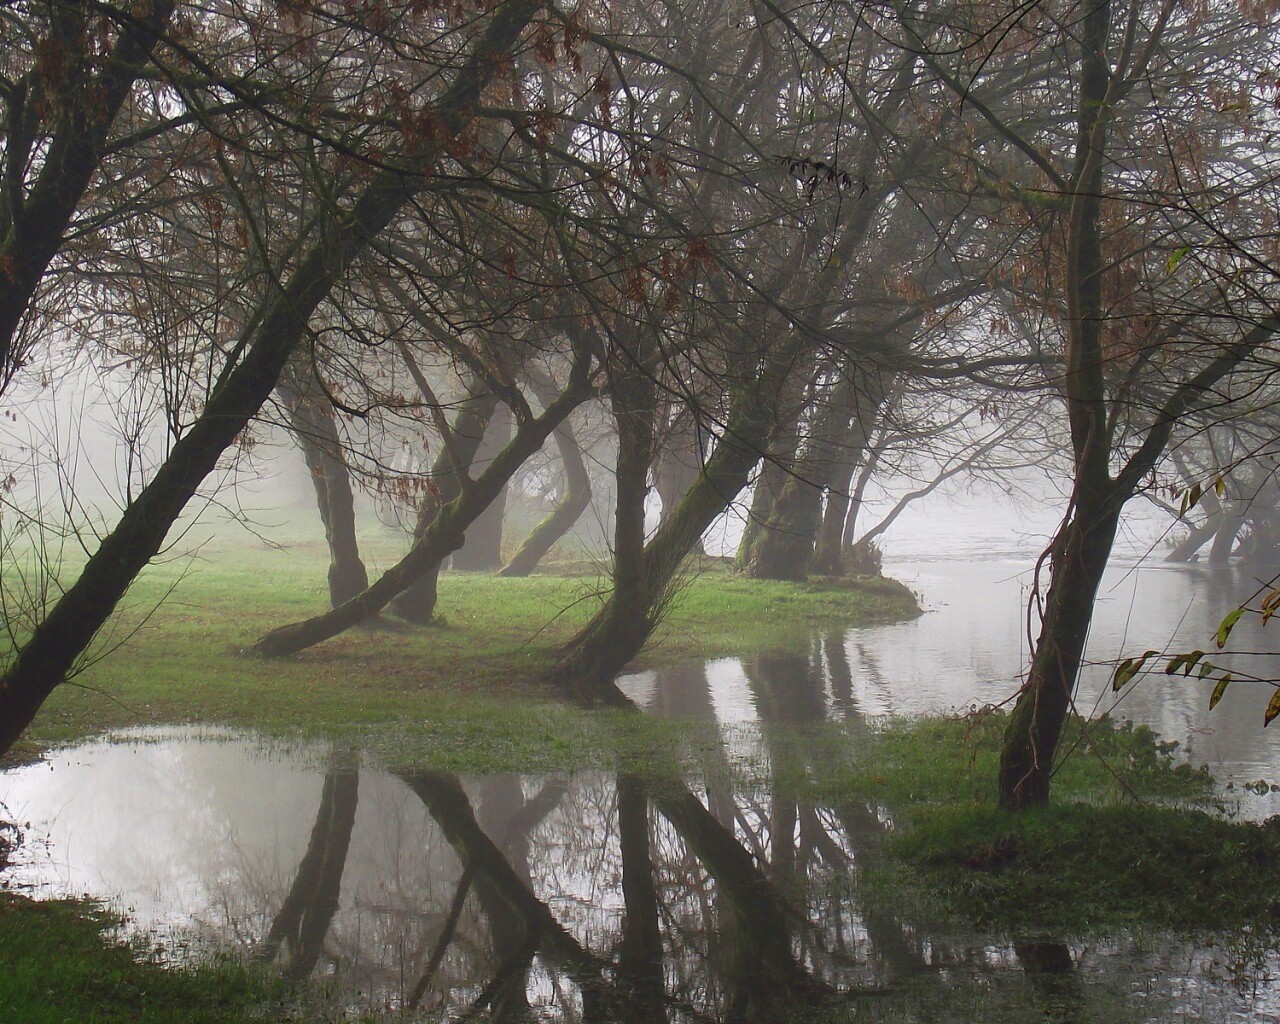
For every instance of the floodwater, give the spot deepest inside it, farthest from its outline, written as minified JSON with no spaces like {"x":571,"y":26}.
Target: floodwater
{"x":612,"y":897}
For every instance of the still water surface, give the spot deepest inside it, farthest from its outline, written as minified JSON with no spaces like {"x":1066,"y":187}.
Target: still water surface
{"x":611,"y":897}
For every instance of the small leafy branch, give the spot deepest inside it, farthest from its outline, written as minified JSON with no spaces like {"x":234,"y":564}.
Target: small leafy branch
{"x":1196,"y":661}
{"x":812,"y":173}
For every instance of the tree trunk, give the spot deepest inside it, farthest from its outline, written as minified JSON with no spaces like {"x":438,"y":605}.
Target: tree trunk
{"x":829,"y":546}
{"x":785,"y":549}
{"x":1082,"y":545}
{"x":628,"y":615}
{"x":441,"y":537}
{"x":417,"y":603}
{"x":1080,"y":552}
{"x":678,"y":463}
{"x":575,"y":500}
{"x":618,"y":631}
{"x":1224,"y":539}
{"x":312,"y":423}
{"x":45,"y":659}
{"x":769,"y":483}
{"x":481,"y":550}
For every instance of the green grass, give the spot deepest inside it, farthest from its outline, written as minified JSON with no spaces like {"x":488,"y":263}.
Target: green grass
{"x":1080,"y":868}
{"x":60,"y":965}
{"x":1127,"y":843}
{"x":465,"y":688}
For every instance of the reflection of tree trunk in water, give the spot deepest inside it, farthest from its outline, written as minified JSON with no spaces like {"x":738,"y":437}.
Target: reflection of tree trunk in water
{"x":1053,"y":976}
{"x":307,"y":912}
{"x":417,"y":603}
{"x":501,"y":799}
{"x":760,"y":914}
{"x":481,"y":549}
{"x":312,"y":423}
{"x":788,"y":689}
{"x":447,"y":803}
{"x":840,"y":673}
{"x":640,"y":976}
{"x":574,"y":501}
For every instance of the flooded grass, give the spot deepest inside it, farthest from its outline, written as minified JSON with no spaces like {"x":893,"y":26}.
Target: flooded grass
{"x":176,"y":654}
{"x":909,"y":895}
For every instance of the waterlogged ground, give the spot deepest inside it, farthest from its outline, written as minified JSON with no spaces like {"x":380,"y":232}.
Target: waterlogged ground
{"x":605,"y":896}
{"x":742,"y":883}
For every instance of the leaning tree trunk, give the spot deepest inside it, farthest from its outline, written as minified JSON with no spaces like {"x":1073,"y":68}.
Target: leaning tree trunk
{"x":1079,"y":557}
{"x":481,"y":551}
{"x":44,"y":660}
{"x":314,"y":427}
{"x":417,"y":603}
{"x":441,"y":537}
{"x":575,"y":500}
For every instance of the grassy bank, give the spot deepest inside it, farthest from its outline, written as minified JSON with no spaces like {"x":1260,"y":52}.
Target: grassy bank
{"x":176,"y":652}
{"x":58,"y":963}
{"x":1130,"y":841}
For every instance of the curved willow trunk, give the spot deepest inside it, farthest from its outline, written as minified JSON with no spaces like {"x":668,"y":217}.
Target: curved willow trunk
{"x":577,"y":497}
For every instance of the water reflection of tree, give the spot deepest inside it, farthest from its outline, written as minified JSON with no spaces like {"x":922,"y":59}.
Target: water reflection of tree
{"x":305,"y":916}
{"x":637,"y":897}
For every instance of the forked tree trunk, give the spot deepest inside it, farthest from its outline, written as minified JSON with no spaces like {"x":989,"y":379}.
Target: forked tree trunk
{"x":772,"y":477}
{"x":785,"y":548}
{"x":620,"y":628}
{"x":442,"y":536}
{"x":574,"y":501}
{"x":481,"y":551}
{"x":417,"y":603}
{"x":677,"y":464}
